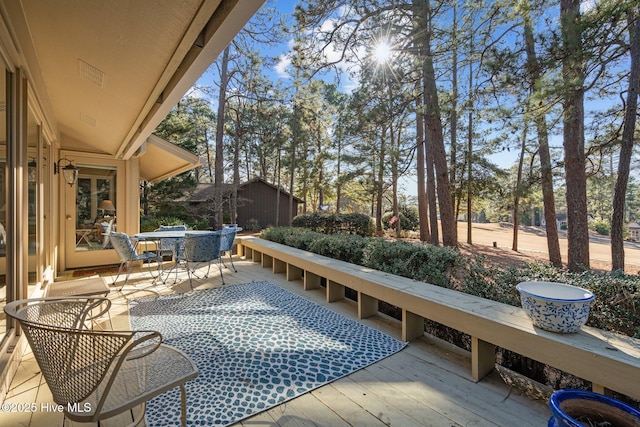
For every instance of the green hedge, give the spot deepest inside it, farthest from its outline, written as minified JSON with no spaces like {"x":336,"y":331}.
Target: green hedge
{"x":417,"y":261}
{"x":346,"y":247}
{"x":352,"y":223}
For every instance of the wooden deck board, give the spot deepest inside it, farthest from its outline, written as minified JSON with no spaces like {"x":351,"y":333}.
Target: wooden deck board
{"x":351,"y":412}
{"x":430,"y":387}
{"x":427,"y":383}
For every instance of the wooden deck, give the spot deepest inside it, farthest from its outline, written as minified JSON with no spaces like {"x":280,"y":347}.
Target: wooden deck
{"x":426,"y":384}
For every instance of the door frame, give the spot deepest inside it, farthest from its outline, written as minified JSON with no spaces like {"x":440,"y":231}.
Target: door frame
{"x":70,"y":257}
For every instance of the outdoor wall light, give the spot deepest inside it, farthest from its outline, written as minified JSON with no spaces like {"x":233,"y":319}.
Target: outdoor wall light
{"x":69,"y":172}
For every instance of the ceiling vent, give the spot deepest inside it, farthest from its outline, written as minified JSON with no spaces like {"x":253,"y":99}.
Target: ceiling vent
{"x":91,"y":73}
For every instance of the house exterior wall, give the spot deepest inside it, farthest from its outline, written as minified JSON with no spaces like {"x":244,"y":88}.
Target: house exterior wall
{"x":257,"y":200}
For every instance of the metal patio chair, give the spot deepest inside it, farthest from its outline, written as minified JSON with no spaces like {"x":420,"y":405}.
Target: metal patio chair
{"x":200,"y":249}
{"x":97,"y":374}
{"x":173,"y":246}
{"x":227,"y":236}
{"x":169,"y":245}
{"x":127,"y":253}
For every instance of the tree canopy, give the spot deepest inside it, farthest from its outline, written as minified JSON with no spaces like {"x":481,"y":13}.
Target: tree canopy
{"x":518,"y":111}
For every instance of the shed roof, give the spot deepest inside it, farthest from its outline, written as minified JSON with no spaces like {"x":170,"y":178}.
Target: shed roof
{"x":206,"y":191}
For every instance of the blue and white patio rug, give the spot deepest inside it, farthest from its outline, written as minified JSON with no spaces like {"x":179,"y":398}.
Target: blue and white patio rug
{"x":256,"y":346}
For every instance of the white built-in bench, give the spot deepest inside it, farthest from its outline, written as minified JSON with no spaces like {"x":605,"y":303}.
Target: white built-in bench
{"x":610,"y":361}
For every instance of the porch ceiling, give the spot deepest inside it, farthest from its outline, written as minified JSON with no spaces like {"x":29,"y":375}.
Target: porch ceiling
{"x":109,"y":71}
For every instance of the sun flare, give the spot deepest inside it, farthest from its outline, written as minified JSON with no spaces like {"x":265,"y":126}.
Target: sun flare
{"x":382,"y":52}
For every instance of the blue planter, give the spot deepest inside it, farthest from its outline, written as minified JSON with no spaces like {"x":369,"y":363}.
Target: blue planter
{"x":570,"y":407}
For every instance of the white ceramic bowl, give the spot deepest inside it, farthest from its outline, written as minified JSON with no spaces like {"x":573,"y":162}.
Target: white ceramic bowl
{"x":555,"y":307}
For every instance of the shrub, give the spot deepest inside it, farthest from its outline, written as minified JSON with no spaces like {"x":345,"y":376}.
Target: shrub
{"x":295,"y":237}
{"x":151,"y":223}
{"x":347,"y":248}
{"x":600,"y":226}
{"x":360,"y":224}
{"x":252,"y":224}
{"x":409,"y":219}
{"x":498,"y":284}
{"x":617,"y":304}
{"x":424,"y":262}
{"x":352,"y":223}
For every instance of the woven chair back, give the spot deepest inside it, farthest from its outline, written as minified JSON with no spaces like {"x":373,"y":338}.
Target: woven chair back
{"x":124,"y":248}
{"x":227,"y":236}
{"x":74,"y":360}
{"x":201,"y":247}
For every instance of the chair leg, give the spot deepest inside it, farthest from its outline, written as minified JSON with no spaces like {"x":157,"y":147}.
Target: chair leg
{"x":150,"y":270}
{"x":208,"y":270}
{"x":174,"y":267}
{"x":231,"y":260}
{"x":186,"y":266}
{"x":220,"y":268}
{"x":127,"y":276}
{"x":119,"y":271}
{"x":183,"y":406}
{"x":221,"y":261}
{"x":138,"y":418}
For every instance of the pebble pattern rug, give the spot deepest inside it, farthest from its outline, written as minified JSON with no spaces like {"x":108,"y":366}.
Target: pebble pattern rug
{"x":256,"y":346}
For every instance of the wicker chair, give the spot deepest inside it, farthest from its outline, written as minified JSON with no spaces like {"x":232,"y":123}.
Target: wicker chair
{"x":201,"y":248}
{"x":127,"y":253}
{"x":96,"y":374}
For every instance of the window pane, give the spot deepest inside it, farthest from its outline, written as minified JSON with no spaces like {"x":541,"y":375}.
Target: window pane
{"x":95,"y":207}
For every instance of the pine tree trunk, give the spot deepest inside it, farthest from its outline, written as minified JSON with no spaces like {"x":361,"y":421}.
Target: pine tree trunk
{"x":379,"y":182}
{"x":423,"y":207}
{"x":435,"y":155}
{"x":626,"y":150}
{"x":431,"y":196}
{"x":435,"y":140}
{"x":573,"y":136}
{"x":219,"y":172}
{"x":294,"y":145}
{"x":517,"y":189}
{"x":548,"y":198}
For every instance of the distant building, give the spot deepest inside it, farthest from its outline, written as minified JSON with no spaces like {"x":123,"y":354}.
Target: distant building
{"x":634,"y":231}
{"x":561,"y":220}
{"x":257,"y":203}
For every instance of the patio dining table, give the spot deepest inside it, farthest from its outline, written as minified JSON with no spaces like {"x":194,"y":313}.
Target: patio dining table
{"x":156,"y":236}
{"x":167,"y":234}
{"x":171,"y":234}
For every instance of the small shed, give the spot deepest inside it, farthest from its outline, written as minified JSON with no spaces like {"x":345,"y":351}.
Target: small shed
{"x":257,"y":200}
{"x":634,"y":231}
{"x":257,"y":203}
{"x":561,"y":220}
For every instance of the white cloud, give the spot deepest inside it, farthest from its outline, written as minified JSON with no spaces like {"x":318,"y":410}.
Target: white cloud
{"x":282,"y":65}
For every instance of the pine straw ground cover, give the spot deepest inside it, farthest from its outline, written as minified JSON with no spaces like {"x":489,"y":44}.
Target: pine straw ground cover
{"x":492,"y":275}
